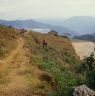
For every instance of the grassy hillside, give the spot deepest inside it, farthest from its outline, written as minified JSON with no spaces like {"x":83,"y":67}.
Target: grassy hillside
{"x":8,"y":35}
{"x":58,"y":60}
{"x":29,"y":69}
{"x":58,"y":49}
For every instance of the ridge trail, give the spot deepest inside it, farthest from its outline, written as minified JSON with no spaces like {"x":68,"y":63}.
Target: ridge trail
{"x":15,"y":62}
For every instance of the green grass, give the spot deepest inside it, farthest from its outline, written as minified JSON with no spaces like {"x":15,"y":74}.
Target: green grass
{"x":64,"y":80}
{"x":58,"y":59}
{"x":51,"y":70}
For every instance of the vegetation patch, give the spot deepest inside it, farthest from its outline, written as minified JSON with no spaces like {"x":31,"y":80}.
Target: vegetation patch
{"x":58,"y":60}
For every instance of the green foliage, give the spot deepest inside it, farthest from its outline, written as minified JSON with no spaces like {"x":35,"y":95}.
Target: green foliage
{"x":58,"y":58}
{"x":64,"y":80}
{"x":36,"y":59}
{"x":87,"y":69}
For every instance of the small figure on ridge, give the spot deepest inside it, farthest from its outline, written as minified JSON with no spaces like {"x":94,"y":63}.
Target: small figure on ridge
{"x":44,"y":43}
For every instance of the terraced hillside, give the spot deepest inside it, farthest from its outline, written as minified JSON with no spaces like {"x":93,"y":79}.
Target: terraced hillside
{"x":29,"y":69}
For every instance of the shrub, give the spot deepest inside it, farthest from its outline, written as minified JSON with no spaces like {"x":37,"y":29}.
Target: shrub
{"x":47,"y":77}
{"x":64,"y":80}
{"x":87,"y":69}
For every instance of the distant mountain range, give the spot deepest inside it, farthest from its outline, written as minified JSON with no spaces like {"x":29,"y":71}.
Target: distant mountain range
{"x":81,"y":24}
{"x":78,"y":25}
{"x":88,"y":37}
{"x":36,"y":26}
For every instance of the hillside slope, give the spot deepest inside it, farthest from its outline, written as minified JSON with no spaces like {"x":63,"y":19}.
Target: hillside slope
{"x":8,"y":37}
{"x":58,"y":59}
{"x":29,"y":69}
{"x":81,"y":24}
{"x":88,"y":37}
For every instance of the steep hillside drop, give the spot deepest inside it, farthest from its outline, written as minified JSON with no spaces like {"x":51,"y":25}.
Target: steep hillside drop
{"x":29,"y":69}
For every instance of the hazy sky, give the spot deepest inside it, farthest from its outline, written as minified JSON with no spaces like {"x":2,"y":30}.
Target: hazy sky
{"x":26,"y":9}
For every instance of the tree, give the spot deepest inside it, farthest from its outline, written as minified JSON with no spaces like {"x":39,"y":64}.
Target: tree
{"x":88,"y":67}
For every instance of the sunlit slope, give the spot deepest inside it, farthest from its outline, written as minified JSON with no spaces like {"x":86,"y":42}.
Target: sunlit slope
{"x":29,"y":69}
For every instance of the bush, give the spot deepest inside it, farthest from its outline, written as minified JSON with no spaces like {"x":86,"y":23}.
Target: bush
{"x":87,"y":69}
{"x":47,"y":77}
{"x":64,"y":80}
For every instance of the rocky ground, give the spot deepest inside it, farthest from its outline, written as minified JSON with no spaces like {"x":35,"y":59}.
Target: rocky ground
{"x":83,"y":90}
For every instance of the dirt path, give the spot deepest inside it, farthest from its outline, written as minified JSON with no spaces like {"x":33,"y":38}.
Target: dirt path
{"x":17,"y":76}
{"x":12,"y":65}
{"x":83,"y":48}
{"x":20,"y":44}
{"x":7,"y":60}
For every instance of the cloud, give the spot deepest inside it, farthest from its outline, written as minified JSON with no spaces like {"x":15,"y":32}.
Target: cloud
{"x":4,"y":10}
{"x":46,"y":8}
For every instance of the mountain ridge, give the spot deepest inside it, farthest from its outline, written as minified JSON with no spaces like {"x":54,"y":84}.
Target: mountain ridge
{"x":88,"y":37}
{"x":32,"y":24}
{"x":81,"y":24}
